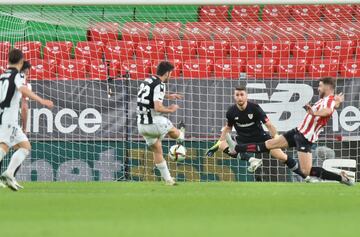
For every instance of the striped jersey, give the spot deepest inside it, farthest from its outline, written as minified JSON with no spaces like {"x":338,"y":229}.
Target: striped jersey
{"x":312,"y":125}
{"x":151,"y":90}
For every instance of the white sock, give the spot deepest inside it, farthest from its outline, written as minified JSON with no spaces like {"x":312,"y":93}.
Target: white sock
{"x":2,"y":154}
{"x":181,"y":137}
{"x":164,"y":171}
{"x":16,"y":159}
{"x":230,"y":141}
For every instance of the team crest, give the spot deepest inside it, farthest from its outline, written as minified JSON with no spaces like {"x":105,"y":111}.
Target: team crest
{"x":250,"y":116}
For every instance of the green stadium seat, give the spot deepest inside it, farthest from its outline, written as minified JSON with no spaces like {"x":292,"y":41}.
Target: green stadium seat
{"x":151,"y":13}
{"x":5,"y":9}
{"x":27,"y":11}
{"x":182,"y":14}
{"x":58,"y":11}
{"x":43,"y":32}
{"x":12,"y":29}
{"x":88,"y":11}
{"x":71,"y":33}
{"x":119,"y":14}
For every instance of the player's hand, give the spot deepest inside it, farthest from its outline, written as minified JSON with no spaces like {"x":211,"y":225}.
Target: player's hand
{"x":233,"y":153}
{"x":174,"y":96}
{"x":309,"y":109}
{"x":339,"y":98}
{"x":48,"y":103}
{"x":173,"y":108}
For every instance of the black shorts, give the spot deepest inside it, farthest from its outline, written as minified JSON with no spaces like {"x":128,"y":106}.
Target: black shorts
{"x":296,"y":139}
{"x":257,"y":139}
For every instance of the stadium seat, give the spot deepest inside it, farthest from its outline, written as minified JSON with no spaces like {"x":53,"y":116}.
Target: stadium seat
{"x":244,"y":50}
{"x":306,"y":13}
{"x":114,"y":68}
{"x":242,"y":13}
{"x":197,"y":31}
{"x":42,"y":69}
{"x":338,"y":13}
{"x":322,"y":68}
{"x":308,"y":50}
{"x":181,"y":49}
{"x":276,"y":50}
{"x":3,"y":65}
{"x":290,"y":31}
{"x":350,"y":69}
{"x":339,"y":50}
{"x":4,"y":50}
{"x":349,"y":31}
{"x":276,"y":13}
{"x":138,"y":69}
{"x":214,"y":49}
{"x":135,"y":31}
{"x":153,"y":50}
{"x":322,"y":31}
{"x":175,"y":73}
{"x":261,"y":68}
{"x":72,"y":69}
{"x":98,"y":70}
{"x":214,"y":13}
{"x":30,"y":49}
{"x":89,"y":50}
{"x":260,"y":31}
{"x":103,"y":31}
{"x":292,"y":68}
{"x":228,"y":32}
{"x":58,"y":50}
{"x":119,"y":50}
{"x":167,"y":31}
{"x":197,"y":68}
{"x":229,"y":68}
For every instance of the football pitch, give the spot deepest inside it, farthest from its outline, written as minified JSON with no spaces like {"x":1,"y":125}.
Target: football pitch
{"x":190,"y":209}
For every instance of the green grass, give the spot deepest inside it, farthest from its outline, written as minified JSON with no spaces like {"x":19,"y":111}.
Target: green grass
{"x":190,"y":209}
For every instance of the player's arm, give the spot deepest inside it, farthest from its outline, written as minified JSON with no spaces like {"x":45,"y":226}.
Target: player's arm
{"x":28,"y":93}
{"x":173,"y":96}
{"x":326,"y":111}
{"x":272,"y":129}
{"x":24,"y":112}
{"x":261,"y":115}
{"x":159,"y":95}
{"x":339,"y":98}
{"x":226,"y":129}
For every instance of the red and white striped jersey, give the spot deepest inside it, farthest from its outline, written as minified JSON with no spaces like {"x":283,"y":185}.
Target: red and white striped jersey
{"x":312,"y":125}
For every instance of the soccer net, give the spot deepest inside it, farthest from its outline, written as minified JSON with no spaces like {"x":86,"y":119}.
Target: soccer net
{"x":91,"y":59}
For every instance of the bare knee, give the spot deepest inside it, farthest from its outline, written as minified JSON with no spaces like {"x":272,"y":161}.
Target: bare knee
{"x":25,"y":145}
{"x":223,"y":145}
{"x":174,"y":133}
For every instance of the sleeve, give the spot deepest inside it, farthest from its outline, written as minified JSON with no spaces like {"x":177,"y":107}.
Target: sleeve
{"x":330,"y":103}
{"x":229,"y":118}
{"x":159,"y":92}
{"x":261,"y":115}
{"x":20,"y":80}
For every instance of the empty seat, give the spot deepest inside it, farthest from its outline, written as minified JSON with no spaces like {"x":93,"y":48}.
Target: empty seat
{"x":3,"y":65}
{"x":213,"y":49}
{"x":136,"y":31}
{"x":350,"y":69}
{"x":308,"y":50}
{"x":229,"y":68}
{"x":322,"y":31}
{"x":228,"y":32}
{"x":350,"y":30}
{"x":137,"y":69}
{"x":292,"y":68}
{"x":114,"y":68}
{"x":197,"y":68}
{"x":98,"y":70}
{"x":276,"y":13}
{"x":339,"y":50}
{"x":260,"y":31}
{"x":243,"y":50}
{"x":290,"y":31}
{"x":276,"y":50}
{"x":323,"y":68}
{"x":197,"y":31}
{"x":103,"y":31}
{"x":30,"y":49}
{"x":42,"y":69}
{"x":181,"y":49}
{"x":153,"y":50}
{"x":89,"y":50}
{"x":4,"y":50}
{"x":261,"y":68}
{"x":72,"y":69}
{"x":242,"y":13}
{"x":306,"y":13}
{"x":58,"y":50}
{"x":177,"y":67}
{"x":167,"y":31}
{"x":338,"y":13}
{"x":119,"y":50}
{"x":214,"y":13}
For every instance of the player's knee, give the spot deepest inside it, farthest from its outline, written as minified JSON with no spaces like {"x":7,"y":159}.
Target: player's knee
{"x":306,"y":172}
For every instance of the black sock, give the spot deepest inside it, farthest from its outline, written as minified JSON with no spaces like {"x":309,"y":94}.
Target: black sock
{"x":227,"y":151}
{"x":324,"y":174}
{"x":251,"y":147}
{"x":294,"y":167}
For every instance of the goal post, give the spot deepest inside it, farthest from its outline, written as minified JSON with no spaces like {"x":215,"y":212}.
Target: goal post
{"x":90,"y":60}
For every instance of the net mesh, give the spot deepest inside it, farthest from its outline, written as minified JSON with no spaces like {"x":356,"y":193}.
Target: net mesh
{"x":91,"y":59}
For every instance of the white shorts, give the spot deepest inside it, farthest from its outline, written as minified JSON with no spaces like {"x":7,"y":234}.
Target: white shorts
{"x":158,"y":130}
{"x":12,"y":135}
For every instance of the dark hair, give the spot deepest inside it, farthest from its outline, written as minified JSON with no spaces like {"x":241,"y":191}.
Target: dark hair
{"x":328,"y":81}
{"x":163,"y":68}
{"x":26,"y":66}
{"x":240,"y":88}
{"x":15,"y":56}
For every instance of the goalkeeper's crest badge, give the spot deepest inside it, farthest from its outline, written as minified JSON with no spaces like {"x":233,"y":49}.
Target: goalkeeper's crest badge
{"x":250,"y":116}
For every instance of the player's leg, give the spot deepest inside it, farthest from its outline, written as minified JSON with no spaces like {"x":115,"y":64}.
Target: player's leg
{"x":160,"y":162}
{"x":287,"y":160}
{"x":177,"y":133}
{"x":274,"y":143}
{"x":4,"y":149}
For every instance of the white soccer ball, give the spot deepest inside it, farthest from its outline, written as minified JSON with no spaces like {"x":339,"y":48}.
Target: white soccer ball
{"x":177,"y":152}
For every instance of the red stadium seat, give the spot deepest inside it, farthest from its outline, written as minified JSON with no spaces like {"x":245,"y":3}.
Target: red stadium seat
{"x":89,"y":50}
{"x":72,"y":69}
{"x":153,"y":50}
{"x":276,"y":13}
{"x":197,"y":31}
{"x":138,"y":69}
{"x":4,"y":50}
{"x":197,"y":68}
{"x":103,"y":31}
{"x":350,"y":69}
{"x":349,"y":31}
{"x":242,"y":13}
{"x":290,"y":31}
{"x":244,"y":50}
{"x":339,"y":50}
{"x":214,"y":13}
{"x":292,"y":68}
{"x":114,"y":68}
{"x":213,"y":49}
{"x":308,"y":50}
{"x":323,"y":68}
{"x":3,"y":66}
{"x":322,"y":31}
{"x":58,"y":50}
{"x":42,"y":69}
{"x":228,"y":32}
{"x":167,"y":31}
{"x":229,"y":68}
{"x":181,"y":49}
{"x":30,"y":49}
{"x":306,"y":13}
{"x":338,"y":13}
{"x":262,"y":68}
{"x":119,"y":50}
{"x":276,"y":50}
{"x":175,"y":73}
{"x":135,"y":31}
{"x":98,"y":70}
{"x":260,"y":31}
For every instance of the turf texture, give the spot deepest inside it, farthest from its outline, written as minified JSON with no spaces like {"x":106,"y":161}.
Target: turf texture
{"x":190,"y":209}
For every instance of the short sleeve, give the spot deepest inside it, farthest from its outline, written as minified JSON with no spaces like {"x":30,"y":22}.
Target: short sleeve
{"x":229,"y":118}
{"x":19,"y":80}
{"x":159,"y":92}
{"x":261,"y":115}
{"x":330,"y":103}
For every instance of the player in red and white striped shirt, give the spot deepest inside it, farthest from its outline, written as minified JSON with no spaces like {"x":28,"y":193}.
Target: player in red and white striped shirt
{"x":307,"y":133}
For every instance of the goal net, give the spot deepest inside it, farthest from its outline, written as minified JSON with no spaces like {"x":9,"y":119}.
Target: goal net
{"x":90,"y":61}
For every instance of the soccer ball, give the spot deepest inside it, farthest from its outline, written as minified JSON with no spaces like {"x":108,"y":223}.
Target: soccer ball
{"x":177,"y":152}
